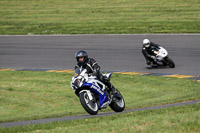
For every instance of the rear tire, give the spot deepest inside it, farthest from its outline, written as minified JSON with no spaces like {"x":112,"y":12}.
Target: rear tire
{"x":90,"y":106}
{"x":118,"y":104}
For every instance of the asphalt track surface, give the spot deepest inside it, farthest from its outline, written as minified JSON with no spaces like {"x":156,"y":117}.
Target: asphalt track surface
{"x":112,"y":52}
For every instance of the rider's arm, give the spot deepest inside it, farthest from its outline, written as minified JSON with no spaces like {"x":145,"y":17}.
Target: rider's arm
{"x":145,"y":53}
{"x":95,"y":67}
{"x":76,"y":67}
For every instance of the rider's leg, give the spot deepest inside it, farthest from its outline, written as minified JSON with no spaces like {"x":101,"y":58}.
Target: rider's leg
{"x":151,"y":62}
{"x":148,"y":62}
{"x":105,"y":80}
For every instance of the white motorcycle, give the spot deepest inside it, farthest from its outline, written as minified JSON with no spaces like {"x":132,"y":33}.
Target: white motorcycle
{"x":162,"y":59}
{"x":93,"y":94}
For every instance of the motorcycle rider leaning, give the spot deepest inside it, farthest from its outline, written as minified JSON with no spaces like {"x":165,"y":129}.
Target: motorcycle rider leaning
{"x":148,"y":51}
{"x":92,"y":69}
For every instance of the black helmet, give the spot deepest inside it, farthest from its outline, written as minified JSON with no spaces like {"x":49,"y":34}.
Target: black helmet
{"x":79,"y":54}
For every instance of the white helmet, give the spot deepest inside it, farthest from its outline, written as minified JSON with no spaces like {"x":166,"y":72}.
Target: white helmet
{"x":146,"y":42}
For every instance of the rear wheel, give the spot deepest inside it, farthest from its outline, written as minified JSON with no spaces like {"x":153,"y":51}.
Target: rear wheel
{"x":90,"y":106}
{"x":118,"y":103}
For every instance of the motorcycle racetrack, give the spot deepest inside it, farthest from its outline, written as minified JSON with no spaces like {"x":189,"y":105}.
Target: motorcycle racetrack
{"x":114,"y":53}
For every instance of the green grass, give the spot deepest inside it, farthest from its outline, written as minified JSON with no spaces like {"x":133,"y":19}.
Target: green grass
{"x":98,"y":16}
{"x":26,"y":95}
{"x":182,"y":119}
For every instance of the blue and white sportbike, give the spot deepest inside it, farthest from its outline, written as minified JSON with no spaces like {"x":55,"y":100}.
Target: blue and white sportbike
{"x":93,"y":94}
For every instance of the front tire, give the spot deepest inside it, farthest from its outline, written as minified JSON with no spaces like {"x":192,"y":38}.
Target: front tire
{"x":170,"y":62}
{"x":90,"y":106}
{"x":118,"y":104}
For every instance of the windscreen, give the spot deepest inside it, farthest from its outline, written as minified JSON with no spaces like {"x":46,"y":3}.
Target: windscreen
{"x":77,"y":72}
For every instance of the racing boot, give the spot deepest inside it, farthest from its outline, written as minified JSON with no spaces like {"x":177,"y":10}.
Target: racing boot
{"x":153,"y":64}
{"x":113,"y":91}
{"x":107,"y":94}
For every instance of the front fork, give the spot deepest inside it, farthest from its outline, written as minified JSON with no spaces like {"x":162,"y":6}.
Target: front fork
{"x":164,"y":61}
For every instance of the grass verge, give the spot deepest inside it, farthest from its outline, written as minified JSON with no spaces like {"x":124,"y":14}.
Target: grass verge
{"x":27,"y":17}
{"x":182,"y":119}
{"x":26,"y":95}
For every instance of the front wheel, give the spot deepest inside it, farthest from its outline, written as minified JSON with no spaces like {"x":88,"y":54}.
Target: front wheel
{"x":89,"y":105}
{"x":170,"y":62}
{"x":118,"y":103}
